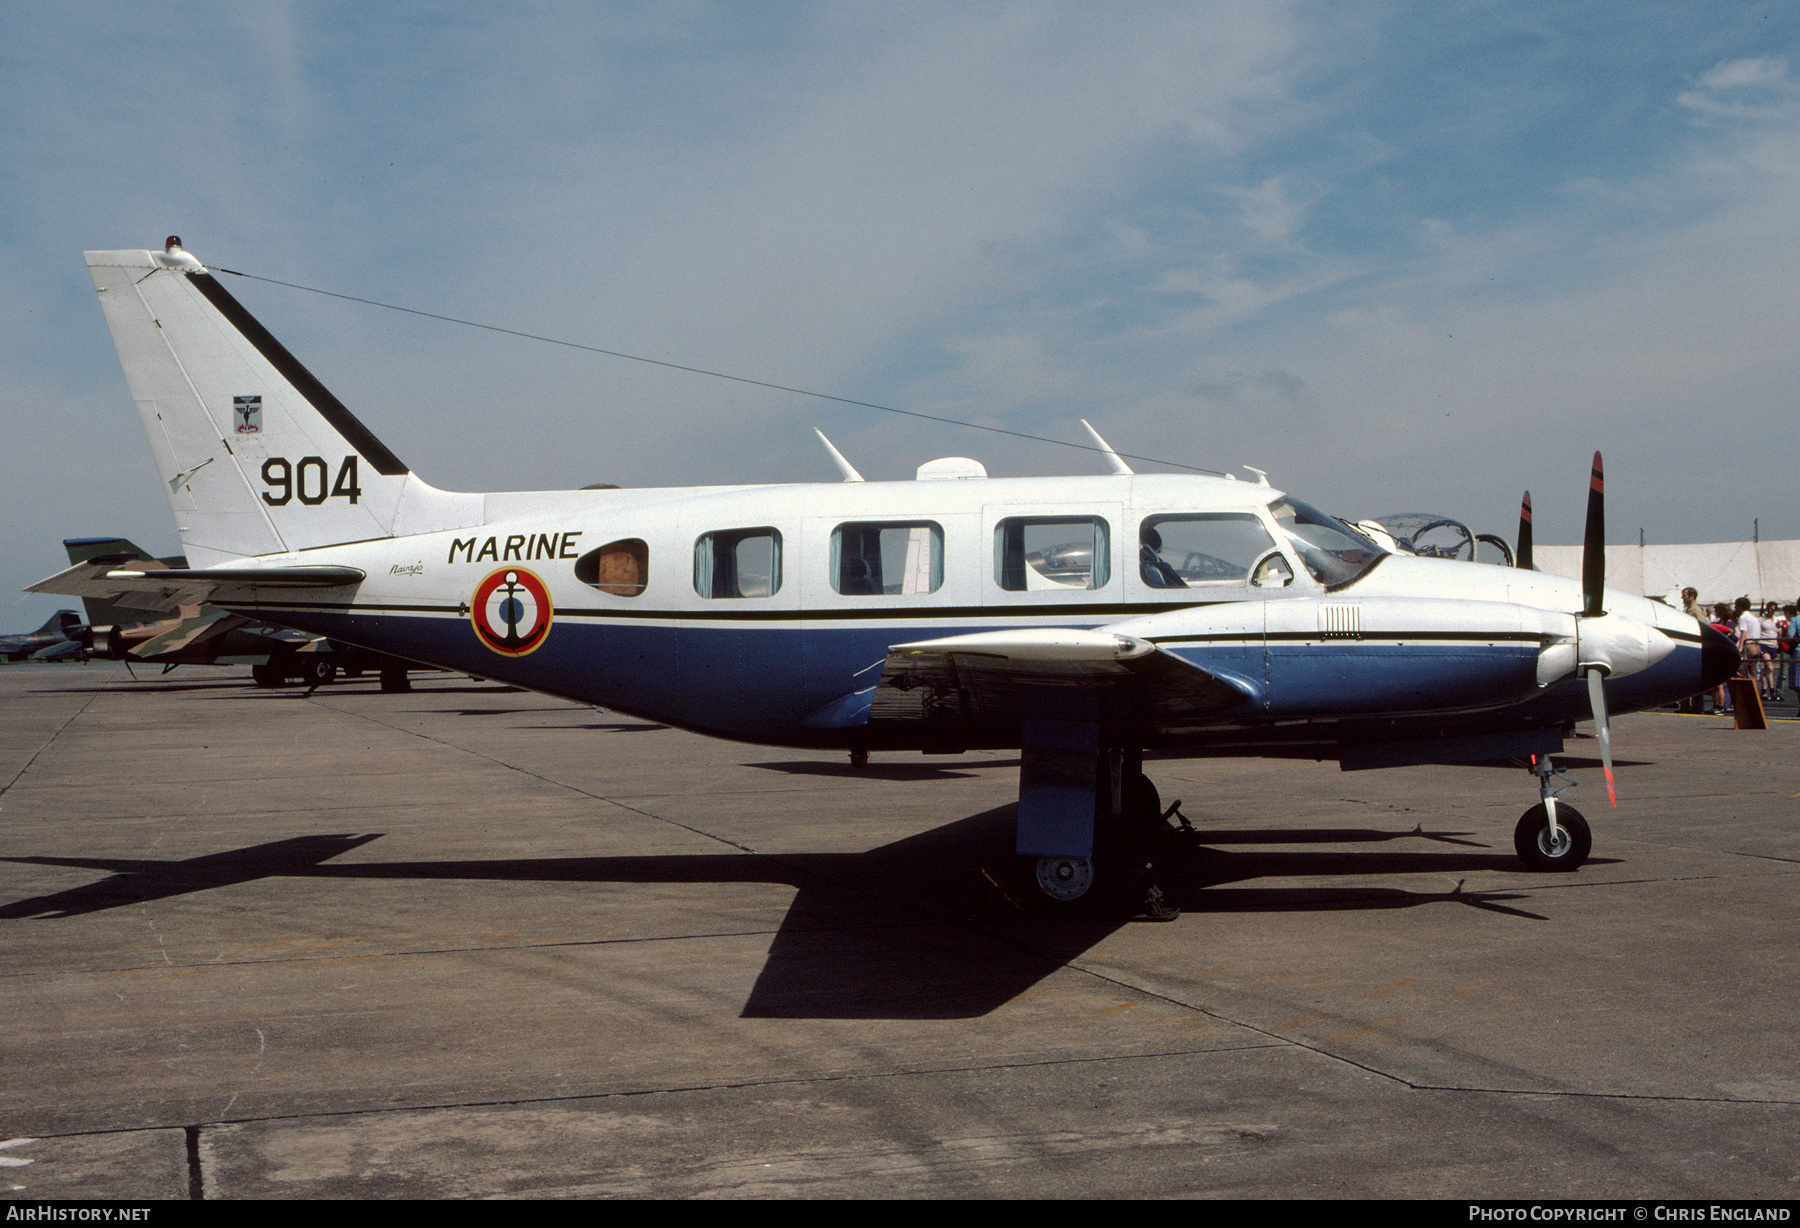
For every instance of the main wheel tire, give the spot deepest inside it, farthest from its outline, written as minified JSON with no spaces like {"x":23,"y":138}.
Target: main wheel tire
{"x":393,"y":678}
{"x":268,"y":674}
{"x":320,"y":673}
{"x":1063,"y":880}
{"x":1536,"y":848}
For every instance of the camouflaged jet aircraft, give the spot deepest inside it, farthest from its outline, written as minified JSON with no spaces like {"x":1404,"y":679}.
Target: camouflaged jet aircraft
{"x":1082,"y":620}
{"x":59,"y":637}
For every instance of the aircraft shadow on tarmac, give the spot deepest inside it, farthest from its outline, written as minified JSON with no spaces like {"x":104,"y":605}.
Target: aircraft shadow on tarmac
{"x":924,"y":928}
{"x":888,"y":771}
{"x":148,"y":684}
{"x":616,"y":727}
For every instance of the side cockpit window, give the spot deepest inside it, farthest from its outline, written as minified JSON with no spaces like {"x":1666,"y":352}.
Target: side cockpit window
{"x":1330,"y":549}
{"x":738,"y":563}
{"x":1201,"y":550}
{"x":621,"y":568}
{"x":1033,"y":553}
{"x":887,"y":559}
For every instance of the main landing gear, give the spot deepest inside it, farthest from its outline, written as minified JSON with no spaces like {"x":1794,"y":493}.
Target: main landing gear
{"x":1088,"y":823}
{"x":310,"y":670}
{"x":1551,"y":835}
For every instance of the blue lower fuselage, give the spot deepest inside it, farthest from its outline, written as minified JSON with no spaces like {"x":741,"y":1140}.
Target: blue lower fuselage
{"x":757,"y":682}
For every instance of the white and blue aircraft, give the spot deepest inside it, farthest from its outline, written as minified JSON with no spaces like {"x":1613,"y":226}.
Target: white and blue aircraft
{"x":1082,"y":620}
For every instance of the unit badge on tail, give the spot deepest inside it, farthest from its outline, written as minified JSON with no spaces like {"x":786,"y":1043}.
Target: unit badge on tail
{"x":511,"y":611}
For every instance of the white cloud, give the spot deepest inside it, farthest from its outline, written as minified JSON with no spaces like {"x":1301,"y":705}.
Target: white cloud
{"x":1769,"y":72}
{"x":1756,"y":87}
{"x":1269,"y":210}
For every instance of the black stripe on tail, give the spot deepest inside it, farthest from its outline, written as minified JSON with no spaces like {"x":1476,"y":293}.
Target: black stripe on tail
{"x":308,"y":385}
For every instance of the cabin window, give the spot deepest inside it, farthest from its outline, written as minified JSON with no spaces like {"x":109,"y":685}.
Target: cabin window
{"x":738,"y":563}
{"x":621,"y":568}
{"x":1199,"y":550}
{"x":891,"y":559}
{"x":1033,"y":553}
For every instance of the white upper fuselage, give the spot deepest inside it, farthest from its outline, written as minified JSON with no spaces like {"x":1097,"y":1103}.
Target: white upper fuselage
{"x":441,"y":566}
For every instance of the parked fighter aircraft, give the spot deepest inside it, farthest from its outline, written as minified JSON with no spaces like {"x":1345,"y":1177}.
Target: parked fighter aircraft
{"x":1081,"y":619}
{"x":60,"y":636}
{"x":204,"y":634}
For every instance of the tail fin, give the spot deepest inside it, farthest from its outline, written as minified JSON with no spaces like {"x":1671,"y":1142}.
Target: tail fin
{"x":81,"y":549}
{"x":64,"y":621}
{"x":257,"y":456}
{"x":100,"y":611}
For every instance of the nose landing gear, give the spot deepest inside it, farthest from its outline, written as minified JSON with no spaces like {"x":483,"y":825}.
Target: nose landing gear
{"x":1551,"y":835}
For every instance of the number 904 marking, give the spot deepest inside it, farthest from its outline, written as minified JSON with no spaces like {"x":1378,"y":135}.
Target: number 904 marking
{"x":309,"y":480}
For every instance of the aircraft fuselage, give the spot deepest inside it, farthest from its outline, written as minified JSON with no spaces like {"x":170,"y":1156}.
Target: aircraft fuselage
{"x":1408,"y":640}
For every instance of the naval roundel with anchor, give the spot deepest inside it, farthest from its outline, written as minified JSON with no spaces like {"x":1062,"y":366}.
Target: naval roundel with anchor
{"x":511,"y":611}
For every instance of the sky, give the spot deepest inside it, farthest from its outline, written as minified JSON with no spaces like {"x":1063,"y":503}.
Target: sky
{"x":1401,"y":256}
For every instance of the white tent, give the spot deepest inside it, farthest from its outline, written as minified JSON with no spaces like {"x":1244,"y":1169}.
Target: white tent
{"x":1722,"y":571}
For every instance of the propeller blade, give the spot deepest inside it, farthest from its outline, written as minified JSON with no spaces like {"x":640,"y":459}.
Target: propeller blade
{"x":1522,"y":558}
{"x":1597,"y":701}
{"x":1593,"y":545}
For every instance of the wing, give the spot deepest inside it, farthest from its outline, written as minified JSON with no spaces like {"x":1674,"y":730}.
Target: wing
{"x":997,"y":678}
{"x":196,"y":626}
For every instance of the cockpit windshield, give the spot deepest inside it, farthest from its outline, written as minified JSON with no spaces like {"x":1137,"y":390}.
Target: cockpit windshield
{"x":1331,"y":550}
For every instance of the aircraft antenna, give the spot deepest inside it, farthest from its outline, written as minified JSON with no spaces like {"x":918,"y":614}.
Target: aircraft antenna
{"x":844,"y":466}
{"x":739,"y":379}
{"x":1112,"y":457}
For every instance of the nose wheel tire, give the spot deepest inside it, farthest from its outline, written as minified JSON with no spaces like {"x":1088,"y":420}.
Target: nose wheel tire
{"x":1540,"y":851}
{"x":1064,"y":879}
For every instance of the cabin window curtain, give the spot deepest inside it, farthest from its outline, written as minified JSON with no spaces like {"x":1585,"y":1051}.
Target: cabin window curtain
{"x":887,"y":559}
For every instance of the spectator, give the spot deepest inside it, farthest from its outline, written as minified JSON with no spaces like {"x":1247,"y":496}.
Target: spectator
{"x":1770,"y":641}
{"x":1790,"y":644}
{"x":1690,"y":605}
{"x":1750,"y":646}
{"x":1725,"y":625}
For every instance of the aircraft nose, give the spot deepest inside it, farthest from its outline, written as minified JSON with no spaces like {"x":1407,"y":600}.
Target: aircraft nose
{"x":1718,"y":658}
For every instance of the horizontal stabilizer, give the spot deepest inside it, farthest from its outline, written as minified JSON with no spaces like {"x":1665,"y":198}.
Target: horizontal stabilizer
{"x":171,"y":588}
{"x":252,"y":577}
